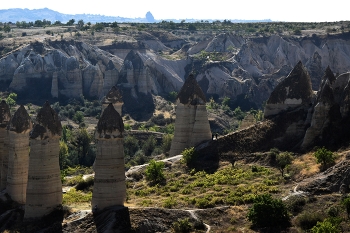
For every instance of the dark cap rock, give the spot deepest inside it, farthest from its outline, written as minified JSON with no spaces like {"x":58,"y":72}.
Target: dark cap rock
{"x":47,"y":120}
{"x":21,"y":121}
{"x":328,"y":74}
{"x":297,"y":85}
{"x":110,"y":121}
{"x":191,"y":92}
{"x":5,"y":114}
{"x":114,"y":96}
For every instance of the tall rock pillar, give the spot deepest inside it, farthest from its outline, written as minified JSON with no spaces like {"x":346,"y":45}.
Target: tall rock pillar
{"x":44,"y":188}
{"x":114,"y":96}
{"x":17,"y":175}
{"x":191,"y":123}
{"x":5,"y":117}
{"x":109,"y":184}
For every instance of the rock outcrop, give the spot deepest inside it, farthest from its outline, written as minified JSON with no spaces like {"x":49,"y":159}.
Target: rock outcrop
{"x":17,"y":176}
{"x":5,"y":117}
{"x":325,"y":107}
{"x":109,"y":183}
{"x":293,"y":92}
{"x":191,"y":123}
{"x":44,"y":188}
{"x":114,"y":97}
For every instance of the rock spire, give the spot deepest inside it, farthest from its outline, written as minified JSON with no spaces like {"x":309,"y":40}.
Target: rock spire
{"x":191,"y":123}
{"x":292,"y":92}
{"x":44,"y":188}
{"x":5,"y":117}
{"x":109,"y":184}
{"x":115,"y":97}
{"x":17,"y":176}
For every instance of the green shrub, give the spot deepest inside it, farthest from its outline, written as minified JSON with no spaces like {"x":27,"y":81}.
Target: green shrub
{"x":74,"y":196}
{"x":189,"y":156}
{"x":327,"y":226}
{"x":324,"y":157}
{"x":346,"y":204}
{"x":154,"y":171}
{"x":182,"y":226}
{"x":268,"y":212}
{"x":169,"y":203}
{"x":85,"y":184}
{"x":307,"y":220}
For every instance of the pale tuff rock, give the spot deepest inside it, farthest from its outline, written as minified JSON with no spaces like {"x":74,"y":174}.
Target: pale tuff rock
{"x":109,"y":183}
{"x":191,"y":123}
{"x":114,"y":97}
{"x":17,"y":176}
{"x":5,"y":117}
{"x":293,"y":92}
{"x":44,"y":188}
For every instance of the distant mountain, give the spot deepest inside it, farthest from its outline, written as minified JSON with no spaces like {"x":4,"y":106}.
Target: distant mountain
{"x":18,"y":14}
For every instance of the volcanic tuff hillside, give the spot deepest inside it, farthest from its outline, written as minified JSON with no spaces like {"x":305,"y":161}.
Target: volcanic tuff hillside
{"x":244,"y":69}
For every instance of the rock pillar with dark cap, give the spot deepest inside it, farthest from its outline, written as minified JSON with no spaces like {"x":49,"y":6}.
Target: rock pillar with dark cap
{"x":44,"y":188}
{"x":191,"y":123}
{"x":109,"y":184}
{"x":114,"y":96}
{"x":17,"y":175}
{"x":5,"y":117}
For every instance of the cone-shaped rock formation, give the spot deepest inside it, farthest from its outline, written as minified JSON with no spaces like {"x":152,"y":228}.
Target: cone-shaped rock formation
{"x":17,"y":176}
{"x":109,"y":184}
{"x":44,"y":188}
{"x":5,"y":117}
{"x":293,"y":92}
{"x":191,"y":123}
{"x":325,"y":110}
{"x":115,"y":97}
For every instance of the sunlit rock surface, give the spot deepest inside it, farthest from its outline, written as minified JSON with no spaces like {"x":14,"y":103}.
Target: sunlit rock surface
{"x":191,"y":123}
{"x":109,"y":183}
{"x":44,"y":188}
{"x":17,"y":176}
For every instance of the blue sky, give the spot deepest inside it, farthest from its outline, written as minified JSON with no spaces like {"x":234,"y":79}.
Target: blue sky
{"x":293,"y":11}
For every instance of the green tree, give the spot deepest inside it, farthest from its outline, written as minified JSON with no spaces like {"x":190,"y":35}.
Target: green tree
{"x":192,"y":27}
{"x":154,"y":171}
{"x":225,"y":101}
{"x":80,"y":24}
{"x":268,"y":212}
{"x":283,"y":160}
{"x":81,"y":142}
{"x":166,"y":142}
{"x":239,"y":114}
{"x":71,"y":22}
{"x":149,"y":145}
{"x":7,"y":28}
{"x":324,"y":157}
{"x":63,"y":155}
{"x":11,"y":99}
{"x":131,"y":145}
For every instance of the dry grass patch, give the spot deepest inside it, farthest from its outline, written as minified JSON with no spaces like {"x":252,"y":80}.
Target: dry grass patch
{"x":304,"y":166}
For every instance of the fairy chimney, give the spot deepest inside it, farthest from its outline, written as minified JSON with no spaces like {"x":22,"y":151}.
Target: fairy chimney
{"x":5,"y":117}
{"x":191,"y":123}
{"x":44,"y":188}
{"x":17,"y":175}
{"x":109,"y":184}
{"x":115,"y":97}
{"x":293,"y":92}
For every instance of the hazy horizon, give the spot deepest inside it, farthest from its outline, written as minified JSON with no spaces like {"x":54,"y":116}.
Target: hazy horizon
{"x":296,"y":11}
